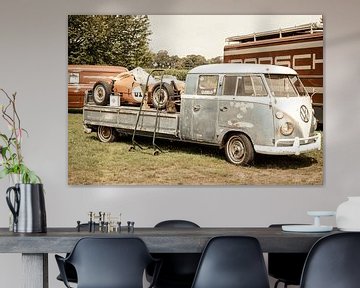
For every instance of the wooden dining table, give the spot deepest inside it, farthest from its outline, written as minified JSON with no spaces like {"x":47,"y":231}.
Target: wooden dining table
{"x":35,"y":247}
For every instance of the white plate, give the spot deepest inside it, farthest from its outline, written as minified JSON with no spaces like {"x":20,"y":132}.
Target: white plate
{"x":321,"y":213}
{"x":306,"y":228}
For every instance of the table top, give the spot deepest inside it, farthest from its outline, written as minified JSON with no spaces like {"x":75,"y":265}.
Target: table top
{"x":158,"y":240}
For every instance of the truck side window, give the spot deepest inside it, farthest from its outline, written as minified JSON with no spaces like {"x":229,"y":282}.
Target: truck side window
{"x":245,"y":87}
{"x":207,"y":85}
{"x":250,"y":86}
{"x":258,"y":85}
{"x":191,"y":84}
{"x":229,"y":85}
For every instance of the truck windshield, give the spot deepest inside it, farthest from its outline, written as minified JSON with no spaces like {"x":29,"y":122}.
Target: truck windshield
{"x":298,"y":85}
{"x":281,"y":85}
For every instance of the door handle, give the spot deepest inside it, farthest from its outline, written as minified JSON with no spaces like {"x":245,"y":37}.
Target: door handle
{"x":196,"y":108}
{"x":223,"y":109}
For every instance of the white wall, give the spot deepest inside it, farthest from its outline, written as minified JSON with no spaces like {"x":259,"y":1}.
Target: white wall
{"x":33,"y":62}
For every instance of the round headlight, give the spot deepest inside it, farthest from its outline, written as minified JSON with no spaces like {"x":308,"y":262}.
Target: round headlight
{"x":287,"y":128}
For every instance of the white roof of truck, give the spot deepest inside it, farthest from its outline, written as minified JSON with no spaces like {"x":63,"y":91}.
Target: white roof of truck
{"x":235,"y":68}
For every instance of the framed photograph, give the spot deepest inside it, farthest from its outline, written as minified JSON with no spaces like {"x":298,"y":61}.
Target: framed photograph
{"x":195,"y":99}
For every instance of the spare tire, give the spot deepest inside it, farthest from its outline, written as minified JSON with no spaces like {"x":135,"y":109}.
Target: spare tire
{"x":159,"y":98}
{"x":101,"y":93}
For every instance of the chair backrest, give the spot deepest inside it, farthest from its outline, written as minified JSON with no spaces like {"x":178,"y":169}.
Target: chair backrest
{"x":176,"y":224}
{"x":333,"y":262}
{"x":287,"y":267}
{"x":178,"y":269}
{"x":110,"y":262}
{"x":232,"y":262}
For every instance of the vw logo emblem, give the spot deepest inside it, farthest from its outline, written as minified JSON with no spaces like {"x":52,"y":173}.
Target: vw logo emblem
{"x":304,"y":113}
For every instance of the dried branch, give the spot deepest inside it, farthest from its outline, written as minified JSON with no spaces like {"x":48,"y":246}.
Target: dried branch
{"x":10,"y":152}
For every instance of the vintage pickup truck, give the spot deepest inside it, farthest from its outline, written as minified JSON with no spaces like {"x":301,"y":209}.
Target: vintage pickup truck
{"x":241,"y":108}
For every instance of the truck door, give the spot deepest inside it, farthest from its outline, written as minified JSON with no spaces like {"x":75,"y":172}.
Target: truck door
{"x":199,"y":110}
{"x":245,"y":106}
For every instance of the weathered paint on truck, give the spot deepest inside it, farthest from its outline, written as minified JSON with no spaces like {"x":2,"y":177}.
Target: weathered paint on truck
{"x":243,"y":108}
{"x":299,"y":48}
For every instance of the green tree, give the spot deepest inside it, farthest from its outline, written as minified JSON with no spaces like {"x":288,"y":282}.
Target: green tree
{"x":162,"y":59}
{"x":121,"y":40}
{"x":191,"y":61}
{"x":215,"y":60}
{"x":175,"y":62}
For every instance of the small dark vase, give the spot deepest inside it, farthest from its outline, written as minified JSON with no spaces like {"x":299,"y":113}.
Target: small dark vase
{"x":27,"y":207}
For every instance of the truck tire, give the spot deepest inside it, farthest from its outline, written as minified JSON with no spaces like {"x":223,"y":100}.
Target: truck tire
{"x":159,"y":98}
{"x":239,"y":150}
{"x":101,"y":93}
{"x":106,"y":134}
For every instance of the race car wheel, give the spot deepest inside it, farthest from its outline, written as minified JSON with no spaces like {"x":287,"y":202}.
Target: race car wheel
{"x":161,"y":96}
{"x":102,"y":91}
{"x":239,"y":150}
{"x":106,"y":134}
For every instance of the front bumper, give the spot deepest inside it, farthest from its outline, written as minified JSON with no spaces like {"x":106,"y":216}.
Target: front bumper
{"x":295,"y":149}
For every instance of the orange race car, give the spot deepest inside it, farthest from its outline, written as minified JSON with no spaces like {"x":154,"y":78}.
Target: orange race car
{"x":129,"y":86}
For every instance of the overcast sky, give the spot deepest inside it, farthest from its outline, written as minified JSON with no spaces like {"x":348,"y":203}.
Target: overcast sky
{"x":205,"y":34}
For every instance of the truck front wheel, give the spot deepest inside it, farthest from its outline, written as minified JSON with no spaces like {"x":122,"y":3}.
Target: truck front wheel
{"x":106,"y":134}
{"x":102,"y":91}
{"x":239,"y":150}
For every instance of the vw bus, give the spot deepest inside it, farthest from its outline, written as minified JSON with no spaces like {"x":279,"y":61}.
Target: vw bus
{"x":247,"y":108}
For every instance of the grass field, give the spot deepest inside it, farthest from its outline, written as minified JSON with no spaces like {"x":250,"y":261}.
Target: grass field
{"x":92,"y":162}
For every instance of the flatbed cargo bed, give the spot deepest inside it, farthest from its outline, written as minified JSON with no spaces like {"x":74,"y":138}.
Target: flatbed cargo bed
{"x":123,"y":118}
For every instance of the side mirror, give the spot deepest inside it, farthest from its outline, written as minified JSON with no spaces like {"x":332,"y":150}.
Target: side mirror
{"x":313,"y":92}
